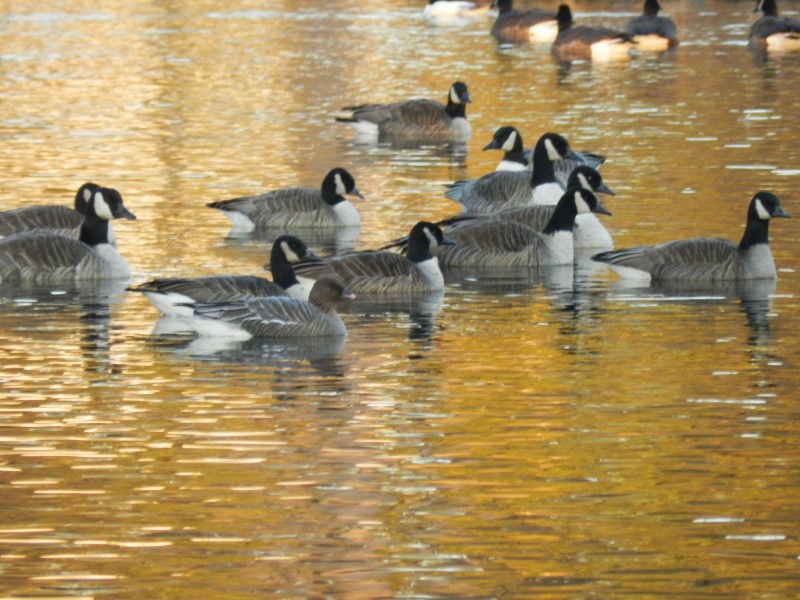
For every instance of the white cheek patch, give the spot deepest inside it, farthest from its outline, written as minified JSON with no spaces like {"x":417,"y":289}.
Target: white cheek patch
{"x":584,"y":182}
{"x":552,"y":153}
{"x":763,"y":213}
{"x":290,"y":254}
{"x":454,"y":96}
{"x":341,"y":190}
{"x":509,"y":144}
{"x":581,"y":204}
{"x":432,"y":241}
{"x":87,"y":194}
{"x":101,"y":207}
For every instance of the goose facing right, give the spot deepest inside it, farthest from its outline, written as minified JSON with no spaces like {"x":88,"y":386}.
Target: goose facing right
{"x":54,"y":218}
{"x":651,"y":31}
{"x":773,"y":31}
{"x":706,"y":259}
{"x":417,"y":119}
{"x":383,"y":272}
{"x":174,"y":295}
{"x":275,"y":317}
{"x":586,"y":42}
{"x":325,"y":207}
{"x":45,"y":257}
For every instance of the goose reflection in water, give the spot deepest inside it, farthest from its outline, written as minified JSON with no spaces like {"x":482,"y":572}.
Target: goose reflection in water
{"x":332,"y":241}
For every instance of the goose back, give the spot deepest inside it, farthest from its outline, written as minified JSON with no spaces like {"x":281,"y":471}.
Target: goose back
{"x":533,"y":25}
{"x":55,"y":219}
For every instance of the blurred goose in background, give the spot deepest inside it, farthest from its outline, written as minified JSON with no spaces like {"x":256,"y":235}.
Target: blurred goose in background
{"x":705,"y":259}
{"x":532,"y":25}
{"x":652,"y":32}
{"x":276,"y":316}
{"x":417,"y":119}
{"x":585,"y":42}
{"x":45,"y":257}
{"x":377,"y":271}
{"x":325,"y":207}
{"x":172,"y":295}
{"x":517,"y":158}
{"x":452,"y":9}
{"x":56,"y":219}
{"x":503,"y":189}
{"x":772,"y":31}
{"x":506,"y":243}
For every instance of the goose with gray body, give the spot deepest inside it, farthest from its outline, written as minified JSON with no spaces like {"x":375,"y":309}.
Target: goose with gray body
{"x":706,"y":259}
{"x":45,"y":257}
{"x":325,"y":207}
{"x":773,"y":31}
{"x":383,"y":272}
{"x":506,"y":243}
{"x":276,"y":316}
{"x":172,"y":295}
{"x":652,"y":31}
{"x":418,"y":119}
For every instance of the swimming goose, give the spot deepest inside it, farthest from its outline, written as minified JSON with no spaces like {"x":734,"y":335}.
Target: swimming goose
{"x":773,"y":31}
{"x":517,"y":158}
{"x":652,"y":32}
{"x":326,"y":207}
{"x":413,"y":119}
{"x":276,"y":316}
{"x":502,"y":189}
{"x":533,"y":25}
{"x":171,"y":295}
{"x":585,"y":42}
{"x":706,"y":259}
{"x":57,"y":219}
{"x":45,"y":257}
{"x":507,"y":243}
{"x":375,"y":272}
{"x":451,"y":9}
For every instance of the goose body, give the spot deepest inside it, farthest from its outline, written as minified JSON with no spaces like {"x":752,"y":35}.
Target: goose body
{"x":276,"y":316}
{"x":585,"y":42}
{"x":418,"y":119}
{"x":45,"y":257}
{"x":488,"y":242}
{"x":533,"y":25}
{"x":383,"y":272}
{"x":53,"y":218}
{"x":173,"y":295}
{"x":705,"y":259}
{"x":325,"y":207}
{"x":652,"y":32}
{"x":773,"y":31}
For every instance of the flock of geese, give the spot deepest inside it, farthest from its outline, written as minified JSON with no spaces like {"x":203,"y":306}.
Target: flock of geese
{"x":534,"y":210}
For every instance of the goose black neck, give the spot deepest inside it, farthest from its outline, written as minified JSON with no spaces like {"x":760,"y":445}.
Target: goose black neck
{"x":769,"y":8}
{"x":419,"y":249}
{"x":564,"y":18}
{"x":651,"y":8}
{"x":94,"y":230}
{"x":504,"y":6}
{"x":755,"y":232}
{"x":282,"y":272}
{"x":543,"y":170}
{"x":329,"y":194}
{"x":517,"y":156}
{"x":454,"y":111}
{"x":563,"y":218}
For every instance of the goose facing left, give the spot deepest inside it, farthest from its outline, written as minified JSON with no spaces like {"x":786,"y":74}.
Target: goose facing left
{"x":325,"y":207}
{"x":54,"y":218}
{"x":44,"y":257}
{"x":275,"y":317}
{"x":706,"y":259}
{"x":174,"y":295}
{"x":417,"y":119}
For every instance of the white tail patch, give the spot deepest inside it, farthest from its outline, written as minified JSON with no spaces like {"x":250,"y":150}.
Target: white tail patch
{"x":508,"y":146}
{"x":290,"y":254}
{"x":101,"y":207}
{"x":546,"y":31}
{"x":611,"y":49}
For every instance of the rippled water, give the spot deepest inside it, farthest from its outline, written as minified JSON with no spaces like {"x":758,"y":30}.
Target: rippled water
{"x":549,"y":435}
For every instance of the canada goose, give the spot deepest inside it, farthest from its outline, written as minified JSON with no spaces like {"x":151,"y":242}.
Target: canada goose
{"x":56,"y":219}
{"x":326,"y":207}
{"x":45,"y":257}
{"x":507,"y":243}
{"x":451,"y":9}
{"x":705,"y":259}
{"x":413,"y":119}
{"x":652,"y":32}
{"x":772,"y":31}
{"x":502,"y":189}
{"x":387,"y":272}
{"x":517,"y":158}
{"x":171,"y":295}
{"x":533,"y":25}
{"x":276,"y":316}
{"x":585,"y":42}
